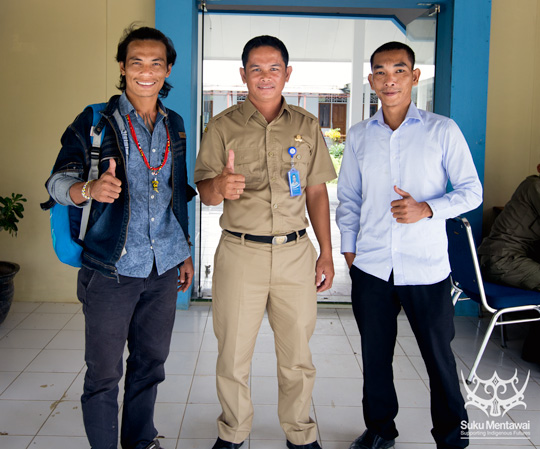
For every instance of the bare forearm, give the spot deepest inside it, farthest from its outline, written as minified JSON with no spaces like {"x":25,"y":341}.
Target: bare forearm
{"x":209,"y":195}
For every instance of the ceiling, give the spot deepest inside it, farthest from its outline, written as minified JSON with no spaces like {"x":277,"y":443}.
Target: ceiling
{"x":315,"y":38}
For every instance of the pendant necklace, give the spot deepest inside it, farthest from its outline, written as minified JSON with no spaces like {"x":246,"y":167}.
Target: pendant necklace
{"x":153,"y":170}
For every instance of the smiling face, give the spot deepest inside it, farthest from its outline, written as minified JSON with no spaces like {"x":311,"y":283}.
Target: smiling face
{"x":265,"y":75}
{"x":145,"y":69}
{"x":392,"y":79}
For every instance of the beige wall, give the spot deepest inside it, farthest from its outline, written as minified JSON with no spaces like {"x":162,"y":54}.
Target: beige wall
{"x":57,"y":57}
{"x":513,"y":118}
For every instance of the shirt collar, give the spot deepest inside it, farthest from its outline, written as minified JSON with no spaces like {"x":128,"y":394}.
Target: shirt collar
{"x":413,"y":113}
{"x":125,"y":107}
{"x":248,"y":109}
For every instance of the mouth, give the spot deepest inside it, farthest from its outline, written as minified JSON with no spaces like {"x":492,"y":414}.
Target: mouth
{"x":149,"y":83}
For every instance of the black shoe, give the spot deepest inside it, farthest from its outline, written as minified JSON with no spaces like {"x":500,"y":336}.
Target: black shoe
{"x":313,"y":445}
{"x":153,"y":445}
{"x":220,"y":444}
{"x":369,"y":440}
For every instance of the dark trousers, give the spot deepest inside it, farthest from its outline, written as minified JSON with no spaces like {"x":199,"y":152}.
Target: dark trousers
{"x":376,"y":305}
{"x":141,"y":312}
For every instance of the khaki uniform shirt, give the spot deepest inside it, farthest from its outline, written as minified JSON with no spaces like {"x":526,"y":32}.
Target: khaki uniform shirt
{"x":261,"y":155}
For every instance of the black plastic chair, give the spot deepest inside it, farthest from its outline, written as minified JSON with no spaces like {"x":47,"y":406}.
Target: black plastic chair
{"x":467,"y":278}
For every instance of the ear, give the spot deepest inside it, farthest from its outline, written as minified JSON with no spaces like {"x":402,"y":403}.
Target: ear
{"x":370,"y":79}
{"x":416,"y":76}
{"x":243,"y":75}
{"x":288,"y":72}
{"x":169,"y":68}
{"x":122,"y":68}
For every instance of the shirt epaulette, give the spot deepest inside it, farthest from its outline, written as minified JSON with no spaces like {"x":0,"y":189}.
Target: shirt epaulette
{"x":226,"y":112}
{"x":303,"y":111}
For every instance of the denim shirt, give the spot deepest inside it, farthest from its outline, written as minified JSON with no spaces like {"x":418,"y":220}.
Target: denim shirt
{"x":153,"y":231}
{"x":107,"y":230}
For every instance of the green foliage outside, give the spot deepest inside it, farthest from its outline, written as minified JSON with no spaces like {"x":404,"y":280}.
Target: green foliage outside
{"x":11,"y":210}
{"x":336,"y":149}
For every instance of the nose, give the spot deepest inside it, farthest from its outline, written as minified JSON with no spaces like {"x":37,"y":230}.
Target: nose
{"x":389,"y":80}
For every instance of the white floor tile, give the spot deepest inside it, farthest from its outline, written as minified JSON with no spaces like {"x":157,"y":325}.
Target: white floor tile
{"x":264,"y":364}
{"x":329,"y":327}
{"x":203,"y":390}
{"x":58,"y":361}
{"x":330,"y":344}
{"x":184,"y":443}
{"x":54,"y":442}
{"x":24,"y":307}
{"x":39,"y":386}
{"x":186,"y":341}
{"x":266,"y":423}
{"x":16,"y":359}
{"x":341,"y":424}
{"x":264,"y":390}
{"x":175,"y":388}
{"x":65,"y":420}
{"x":14,"y":442}
{"x":27,"y":339}
{"x":337,"y":365}
{"x":168,"y":419}
{"x":338,"y":392}
{"x":12,"y":320}
{"x":38,"y":320}
{"x":6,"y":378}
{"x":200,"y":421}
{"x":36,"y":378}
{"x":181,"y":362}
{"x":67,"y":339}
{"x":59,"y":307}
{"x":206,"y":364}
{"x":23,"y":417}
{"x":76,"y":323}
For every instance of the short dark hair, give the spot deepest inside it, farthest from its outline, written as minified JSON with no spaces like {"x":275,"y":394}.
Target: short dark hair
{"x":265,"y":41}
{"x":389,"y":46}
{"x":132,"y":33}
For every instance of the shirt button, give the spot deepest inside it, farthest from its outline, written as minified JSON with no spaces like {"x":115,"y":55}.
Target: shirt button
{"x":271,"y":153}
{"x":152,"y":219}
{"x":151,"y":247}
{"x":275,"y":206}
{"x":151,"y":197}
{"x":153,"y":241}
{"x":153,"y":150}
{"x":298,"y":157}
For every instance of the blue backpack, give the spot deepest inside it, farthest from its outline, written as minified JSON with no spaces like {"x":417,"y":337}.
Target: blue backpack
{"x":68,"y":223}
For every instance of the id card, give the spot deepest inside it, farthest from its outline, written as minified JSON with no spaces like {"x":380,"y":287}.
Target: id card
{"x":294,"y":182}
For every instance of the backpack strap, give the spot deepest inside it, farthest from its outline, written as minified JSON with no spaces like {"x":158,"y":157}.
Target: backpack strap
{"x":96,"y":135}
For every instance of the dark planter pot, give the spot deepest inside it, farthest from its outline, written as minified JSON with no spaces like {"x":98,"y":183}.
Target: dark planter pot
{"x":8,"y":270}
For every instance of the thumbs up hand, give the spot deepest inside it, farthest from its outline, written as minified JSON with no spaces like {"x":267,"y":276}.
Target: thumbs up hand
{"x":228,"y":184}
{"x":107,"y":188}
{"x":407,"y":209}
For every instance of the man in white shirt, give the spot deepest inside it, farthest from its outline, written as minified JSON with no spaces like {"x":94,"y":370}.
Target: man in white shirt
{"x":392,"y":212}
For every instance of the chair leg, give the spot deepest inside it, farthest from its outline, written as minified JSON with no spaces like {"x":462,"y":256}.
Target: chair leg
{"x":482,"y":348}
{"x":504,"y":335}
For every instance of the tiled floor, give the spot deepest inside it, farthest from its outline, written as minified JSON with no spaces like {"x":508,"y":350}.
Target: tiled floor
{"x":42,"y":368}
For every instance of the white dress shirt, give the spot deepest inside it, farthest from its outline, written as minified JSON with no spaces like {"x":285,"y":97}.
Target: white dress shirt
{"x":420,"y":157}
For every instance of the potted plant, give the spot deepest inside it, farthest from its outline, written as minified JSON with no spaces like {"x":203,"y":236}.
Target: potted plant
{"x":11,"y":210}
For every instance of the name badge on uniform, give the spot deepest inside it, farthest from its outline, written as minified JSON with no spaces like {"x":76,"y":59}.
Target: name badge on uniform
{"x":295,"y":188}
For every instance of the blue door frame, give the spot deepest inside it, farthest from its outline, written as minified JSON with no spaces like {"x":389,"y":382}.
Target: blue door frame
{"x":461,"y":77}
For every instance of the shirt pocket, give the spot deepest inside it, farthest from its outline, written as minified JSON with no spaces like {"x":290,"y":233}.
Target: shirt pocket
{"x":302,"y":161}
{"x":247,"y":163}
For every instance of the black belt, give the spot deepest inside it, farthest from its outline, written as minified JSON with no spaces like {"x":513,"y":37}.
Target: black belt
{"x":273,"y":239}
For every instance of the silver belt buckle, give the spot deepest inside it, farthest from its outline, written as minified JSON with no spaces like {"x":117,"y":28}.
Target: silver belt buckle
{"x":279,"y":240}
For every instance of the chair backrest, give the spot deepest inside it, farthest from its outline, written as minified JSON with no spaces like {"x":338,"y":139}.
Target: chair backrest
{"x":464,"y":260}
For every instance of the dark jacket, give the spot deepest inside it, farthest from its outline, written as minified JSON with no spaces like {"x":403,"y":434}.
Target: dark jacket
{"x":108,"y":223}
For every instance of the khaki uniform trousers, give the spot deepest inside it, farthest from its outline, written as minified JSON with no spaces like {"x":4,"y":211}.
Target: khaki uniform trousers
{"x":249,"y":278}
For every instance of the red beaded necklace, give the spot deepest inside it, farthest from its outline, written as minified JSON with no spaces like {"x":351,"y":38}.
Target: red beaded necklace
{"x":154,"y":170}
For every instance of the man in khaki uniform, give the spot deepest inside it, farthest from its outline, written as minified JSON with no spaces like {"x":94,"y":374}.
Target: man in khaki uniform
{"x":264,"y":260}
